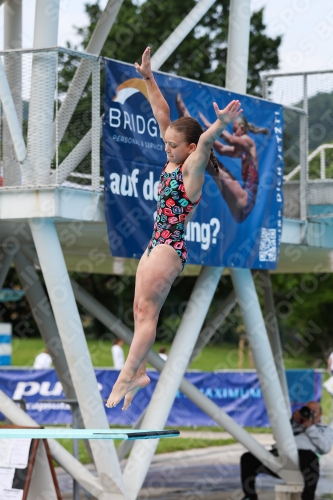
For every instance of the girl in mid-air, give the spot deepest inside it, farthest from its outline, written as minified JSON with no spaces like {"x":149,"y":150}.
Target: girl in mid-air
{"x":188,"y":149}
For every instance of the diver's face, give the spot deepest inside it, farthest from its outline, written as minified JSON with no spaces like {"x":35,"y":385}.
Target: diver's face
{"x":238,"y":128}
{"x":176,"y":147}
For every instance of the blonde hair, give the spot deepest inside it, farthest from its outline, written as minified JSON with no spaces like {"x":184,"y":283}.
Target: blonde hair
{"x":250,"y":127}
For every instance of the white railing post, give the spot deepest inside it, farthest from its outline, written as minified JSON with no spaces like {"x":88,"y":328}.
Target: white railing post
{"x":323,"y":163}
{"x":303,"y":144}
{"x":96,"y":126}
{"x":43,"y":81}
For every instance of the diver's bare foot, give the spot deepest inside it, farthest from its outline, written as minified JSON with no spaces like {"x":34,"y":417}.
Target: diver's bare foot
{"x":130,"y":395}
{"x":122,"y":387}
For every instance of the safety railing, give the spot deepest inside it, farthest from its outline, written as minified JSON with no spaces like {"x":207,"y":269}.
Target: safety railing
{"x":305,"y":98}
{"x":50,"y":119}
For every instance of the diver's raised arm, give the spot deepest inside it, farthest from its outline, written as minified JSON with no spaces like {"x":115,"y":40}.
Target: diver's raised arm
{"x":198,"y":160}
{"x":159,"y":105}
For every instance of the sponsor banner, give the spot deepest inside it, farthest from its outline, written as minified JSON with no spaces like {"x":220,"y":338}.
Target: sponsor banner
{"x":238,"y":222}
{"x":237,"y":393}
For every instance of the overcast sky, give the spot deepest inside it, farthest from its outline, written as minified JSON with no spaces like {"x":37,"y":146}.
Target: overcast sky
{"x":306,"y":27}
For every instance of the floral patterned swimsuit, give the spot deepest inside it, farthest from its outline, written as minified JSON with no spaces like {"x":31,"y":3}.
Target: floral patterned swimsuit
{"x":173,"y":206}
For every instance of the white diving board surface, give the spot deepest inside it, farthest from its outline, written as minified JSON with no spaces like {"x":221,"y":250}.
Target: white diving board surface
{"x":36,"y":433}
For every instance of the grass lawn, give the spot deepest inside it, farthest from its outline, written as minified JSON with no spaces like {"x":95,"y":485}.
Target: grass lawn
{"x":218,"y":357}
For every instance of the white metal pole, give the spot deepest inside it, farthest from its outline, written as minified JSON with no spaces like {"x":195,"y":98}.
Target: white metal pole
{"x":178,"y":35}
{"x":236,"y":78}
{"x":65,"y":459}
{"x":238,"y":45}
{"x":96,"y":127}
{"x":13,"y":68}
{"x":322,"y":163}
{"x":304,"y":153}
{"x":171,"y":376}
{"x":264,"y":361}
{"x":76,"y":350}
{"x":43,"y":315}
{"x":83,"y":72}
{"x":43,"y":81}
{"x":272,"y":328}
{"x":116,"y":326}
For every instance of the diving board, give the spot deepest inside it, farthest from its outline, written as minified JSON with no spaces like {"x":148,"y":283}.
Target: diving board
{"x":56,"y":433}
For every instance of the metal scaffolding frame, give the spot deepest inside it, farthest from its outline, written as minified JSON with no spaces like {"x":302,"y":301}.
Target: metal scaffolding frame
{"x":64,"y":329}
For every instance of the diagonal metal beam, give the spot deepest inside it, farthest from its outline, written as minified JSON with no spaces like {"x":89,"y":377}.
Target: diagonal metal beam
{"x":13,"y":66}
{"x":83,"y":72}
{"x":5,"y":263}
{"x":75,"y":157}
{"x":214,"y":324}
{"x":14,"y":126}
{"x":178,"y":35}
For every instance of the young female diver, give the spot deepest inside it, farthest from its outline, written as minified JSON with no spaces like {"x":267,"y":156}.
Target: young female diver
{"x":188,"y":150}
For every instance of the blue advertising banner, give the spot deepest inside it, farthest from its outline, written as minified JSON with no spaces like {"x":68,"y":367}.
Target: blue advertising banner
{"x":238,"y":222}
{"x":237,"y":393}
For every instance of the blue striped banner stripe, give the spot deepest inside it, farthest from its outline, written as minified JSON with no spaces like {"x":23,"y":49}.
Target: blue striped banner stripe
{"x":5,"y":338}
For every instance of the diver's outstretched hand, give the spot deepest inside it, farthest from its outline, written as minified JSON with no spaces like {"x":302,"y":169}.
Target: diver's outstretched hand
{"x":145,"y":68}
{"x":229,"y":113}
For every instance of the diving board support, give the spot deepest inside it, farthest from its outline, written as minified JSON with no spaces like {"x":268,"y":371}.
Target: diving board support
{"x":76,"y":351}
{"x":43,"y":315}
{"x":267,"y":373}
{"x":122,"y":331}
{"x":236,"y":79}
{"x":41,"y":308}
{"x":169,"y":381}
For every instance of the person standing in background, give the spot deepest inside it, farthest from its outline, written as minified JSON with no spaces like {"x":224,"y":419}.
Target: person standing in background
{"x":43,"y":361}
{"x":330,"y":364}
{"x":162,"y":352}
{"x":118,"y":354}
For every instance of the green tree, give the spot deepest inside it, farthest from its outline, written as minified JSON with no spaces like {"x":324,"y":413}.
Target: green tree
{"x":304,"y":310}
{"x":201,"y":55}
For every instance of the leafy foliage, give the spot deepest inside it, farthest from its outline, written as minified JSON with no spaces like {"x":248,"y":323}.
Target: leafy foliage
{"x":201,"y":55}
{"x":304,"y":310}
